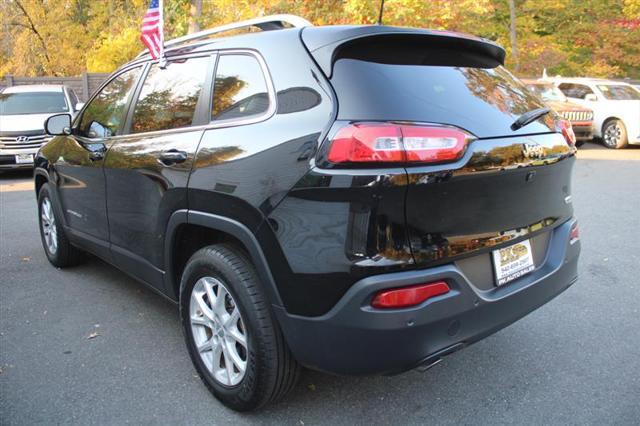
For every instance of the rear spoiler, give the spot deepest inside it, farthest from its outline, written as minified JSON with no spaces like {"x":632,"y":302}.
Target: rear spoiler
{"x":395,"y":45}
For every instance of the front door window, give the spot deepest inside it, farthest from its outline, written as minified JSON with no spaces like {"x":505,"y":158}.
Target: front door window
{"x":105,"y":114}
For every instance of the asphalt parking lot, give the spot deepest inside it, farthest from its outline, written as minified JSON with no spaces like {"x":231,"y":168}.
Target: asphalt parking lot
{"x":576,"y":360}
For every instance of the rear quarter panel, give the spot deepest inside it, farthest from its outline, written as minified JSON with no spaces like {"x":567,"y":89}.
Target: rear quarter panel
{"x":244,"y":171}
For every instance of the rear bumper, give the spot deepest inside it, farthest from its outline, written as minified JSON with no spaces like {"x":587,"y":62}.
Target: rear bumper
{"x":354,"y":338}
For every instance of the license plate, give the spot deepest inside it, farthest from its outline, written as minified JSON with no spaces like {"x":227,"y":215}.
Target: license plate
{"x":513,"y":262}
{"x":24,"y":158}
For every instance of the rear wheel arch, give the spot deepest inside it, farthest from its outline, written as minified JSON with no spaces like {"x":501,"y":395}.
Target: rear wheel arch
{"x":188,"y":231}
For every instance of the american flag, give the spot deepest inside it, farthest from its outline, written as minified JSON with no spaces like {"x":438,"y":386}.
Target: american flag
{"x":151,"y":31}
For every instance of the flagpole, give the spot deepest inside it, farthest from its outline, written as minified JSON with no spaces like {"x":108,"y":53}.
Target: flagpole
{"x":162,"y":58}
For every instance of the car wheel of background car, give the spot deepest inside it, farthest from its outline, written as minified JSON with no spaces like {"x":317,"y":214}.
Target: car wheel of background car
{"x":614,"y":134}
{"x":231,"y":334}
{"x":57,"y":247}
{"x":579,"y":144}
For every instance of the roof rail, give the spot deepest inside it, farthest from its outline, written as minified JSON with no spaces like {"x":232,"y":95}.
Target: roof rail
{"x":265,"y":23}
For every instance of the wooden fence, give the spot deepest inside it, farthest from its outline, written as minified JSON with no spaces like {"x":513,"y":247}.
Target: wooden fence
{"x":84,"y":85}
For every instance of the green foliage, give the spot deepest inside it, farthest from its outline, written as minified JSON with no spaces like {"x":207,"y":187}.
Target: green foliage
{"x":569,"y":37}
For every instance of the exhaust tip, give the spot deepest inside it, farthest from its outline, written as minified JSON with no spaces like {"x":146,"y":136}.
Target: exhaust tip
{"x":427,"y":366}
{"x":436,"y":358}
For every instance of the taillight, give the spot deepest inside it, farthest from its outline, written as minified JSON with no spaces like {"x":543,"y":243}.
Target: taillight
{"x":574,"y":235}
{"x":405,"y":297}
{"x":365,"y":143}
{"x":564,"y":126}
{"x":397,"y":143}
{"x":433,"y":144}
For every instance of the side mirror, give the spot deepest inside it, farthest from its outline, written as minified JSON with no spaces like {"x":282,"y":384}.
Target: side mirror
{"x":79,"y":106}
{"x":59,"y":124}
{"x":591,"y":97}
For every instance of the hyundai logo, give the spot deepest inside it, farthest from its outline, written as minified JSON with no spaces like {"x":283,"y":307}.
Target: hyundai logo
{"x":22,"y":139}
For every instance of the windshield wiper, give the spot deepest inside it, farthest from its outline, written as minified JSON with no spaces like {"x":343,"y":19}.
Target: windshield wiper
{"x":529,"y":117}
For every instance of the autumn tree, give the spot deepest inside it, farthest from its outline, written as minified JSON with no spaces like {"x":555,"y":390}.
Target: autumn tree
{"x":569,"y":37}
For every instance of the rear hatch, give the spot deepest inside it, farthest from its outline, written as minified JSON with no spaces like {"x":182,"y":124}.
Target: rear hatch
{"x":501,"y":186}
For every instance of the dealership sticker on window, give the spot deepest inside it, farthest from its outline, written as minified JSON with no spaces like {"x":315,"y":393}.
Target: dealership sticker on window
{"x":513,"y":262}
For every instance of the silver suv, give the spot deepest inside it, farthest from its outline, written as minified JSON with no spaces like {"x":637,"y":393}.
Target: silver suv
{"x":23,"y":111}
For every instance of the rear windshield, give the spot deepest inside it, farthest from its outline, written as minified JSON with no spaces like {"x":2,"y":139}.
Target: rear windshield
{"x":32,"y":103}
{"x":484,"y":101}
{"x":619,"y":93}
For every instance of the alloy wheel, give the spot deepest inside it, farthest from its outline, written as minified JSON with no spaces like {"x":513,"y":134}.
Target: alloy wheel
{"x":612,"y":134}
{"x":218,"y":331}
{"x":49,"y":228}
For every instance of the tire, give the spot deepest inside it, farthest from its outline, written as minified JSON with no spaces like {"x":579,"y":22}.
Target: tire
{"x":579,"y":144}
{"x":60,"y":252}
{"x":270,"y":371}
{"x":614,"y":134}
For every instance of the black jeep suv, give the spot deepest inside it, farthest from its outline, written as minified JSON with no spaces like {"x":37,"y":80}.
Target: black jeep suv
{"x":353,"y":199}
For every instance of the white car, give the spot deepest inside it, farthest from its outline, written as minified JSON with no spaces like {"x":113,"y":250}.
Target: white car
{"x":615,"y":105}
{"x":23,"y":111}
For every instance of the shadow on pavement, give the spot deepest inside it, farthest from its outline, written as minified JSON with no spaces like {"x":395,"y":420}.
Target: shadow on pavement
{"x":16,"y":180}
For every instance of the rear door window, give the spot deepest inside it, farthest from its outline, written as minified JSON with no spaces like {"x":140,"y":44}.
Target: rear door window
{"x":240,"y":89}
{"x":169,"y":96}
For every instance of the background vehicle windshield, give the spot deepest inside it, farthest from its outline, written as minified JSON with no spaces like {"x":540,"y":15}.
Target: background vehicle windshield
{"x":548,"y":92}
{"x":619,"y":93}
{"x":32,"y":103}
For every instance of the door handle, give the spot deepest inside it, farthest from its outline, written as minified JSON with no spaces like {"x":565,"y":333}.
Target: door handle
{"x":173,"y":156}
